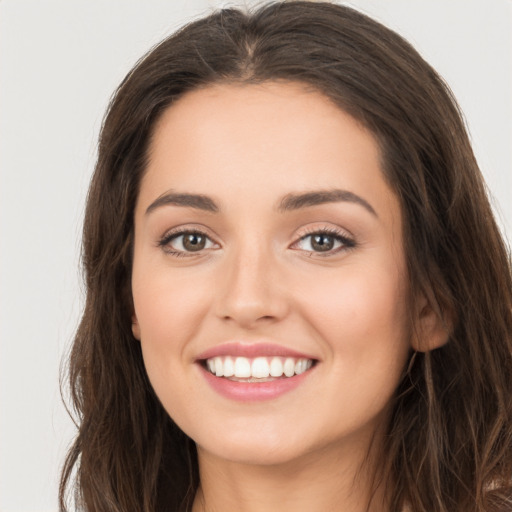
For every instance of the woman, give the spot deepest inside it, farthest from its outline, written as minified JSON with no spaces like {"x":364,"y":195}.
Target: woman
{"x":297,"y":296}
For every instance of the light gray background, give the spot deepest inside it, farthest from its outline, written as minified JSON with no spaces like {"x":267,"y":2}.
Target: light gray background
{"x":59,"y":63}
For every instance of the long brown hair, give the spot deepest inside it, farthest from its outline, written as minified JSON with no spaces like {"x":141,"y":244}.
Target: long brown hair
{"x":449,"y":442}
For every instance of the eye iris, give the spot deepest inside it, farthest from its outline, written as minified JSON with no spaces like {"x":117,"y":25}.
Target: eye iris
{"x":322,"y":242}
{"x":194,"y":242}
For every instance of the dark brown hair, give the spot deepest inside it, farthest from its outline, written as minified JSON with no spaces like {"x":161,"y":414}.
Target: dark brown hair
{"x":449,"y":442}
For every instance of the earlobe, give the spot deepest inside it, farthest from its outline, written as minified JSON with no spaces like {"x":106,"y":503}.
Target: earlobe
{"x":433,"y":328}
{"x":135,"y":327}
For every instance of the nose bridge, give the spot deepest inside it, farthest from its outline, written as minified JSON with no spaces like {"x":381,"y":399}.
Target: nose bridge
{"x":251,"y":269}
{"x":251,"y":290}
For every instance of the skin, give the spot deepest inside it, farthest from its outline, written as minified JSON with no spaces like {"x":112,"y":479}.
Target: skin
{"x":247,"y":147}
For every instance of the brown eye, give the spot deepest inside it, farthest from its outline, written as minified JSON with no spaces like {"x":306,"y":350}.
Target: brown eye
{"x":322,"y":242}
{"x":186,"y":242}
{"x":194,"y":242}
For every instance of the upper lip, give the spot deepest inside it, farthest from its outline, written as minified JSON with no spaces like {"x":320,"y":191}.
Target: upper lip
{"x":251,"y":350}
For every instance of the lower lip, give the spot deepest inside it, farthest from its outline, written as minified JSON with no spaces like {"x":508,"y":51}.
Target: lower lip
{"x":253,"y":391}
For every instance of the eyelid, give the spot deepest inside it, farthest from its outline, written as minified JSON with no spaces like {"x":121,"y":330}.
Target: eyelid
{"x":323,"y":228}
{"x":176,"y":232}
{"x":344,"y":237}
{"x":347,"y":240}
{"x":189,"y":228}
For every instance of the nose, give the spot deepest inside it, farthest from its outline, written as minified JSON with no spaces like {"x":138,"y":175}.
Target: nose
{"x":251,"y":290}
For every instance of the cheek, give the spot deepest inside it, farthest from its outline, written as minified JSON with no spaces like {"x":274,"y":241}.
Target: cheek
{"x":363,"y":324}
{"x":357,"y":298}
{"x":167,"y":306}
{"x":361,"y":314}
{"x":169,"y":309}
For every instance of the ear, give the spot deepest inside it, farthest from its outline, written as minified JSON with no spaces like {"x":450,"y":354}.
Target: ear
{"x":135,"y":327}
{"x":433,"y":327}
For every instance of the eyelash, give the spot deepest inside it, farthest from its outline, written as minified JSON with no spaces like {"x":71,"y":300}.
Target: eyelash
{"x":172,"y":235}
{"x":347,"y":243}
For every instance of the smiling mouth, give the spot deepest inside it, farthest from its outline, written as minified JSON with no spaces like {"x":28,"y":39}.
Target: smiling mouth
{"x":258,"y":369}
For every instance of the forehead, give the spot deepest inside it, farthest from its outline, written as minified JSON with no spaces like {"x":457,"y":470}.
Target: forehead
{"x":268,"y":114}
{"x":270,"y":138}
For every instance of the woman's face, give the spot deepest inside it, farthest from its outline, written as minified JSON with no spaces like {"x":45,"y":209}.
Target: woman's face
{"x":268,"y":248}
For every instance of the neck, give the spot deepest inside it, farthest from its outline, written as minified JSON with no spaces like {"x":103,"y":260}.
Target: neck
{"x":330,"y":480}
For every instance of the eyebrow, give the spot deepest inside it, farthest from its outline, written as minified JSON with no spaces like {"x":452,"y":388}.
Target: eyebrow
{"x":290,"y":202}
{"x":198,"y":201}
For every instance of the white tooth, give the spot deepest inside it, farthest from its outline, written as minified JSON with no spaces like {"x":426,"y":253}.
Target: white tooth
{"x":242,"y":367}
{"x":229,"y":367}
{"x":219,"y":370}
{"x":309,"y":364}
{"x":260,"y":368}
{"x":289,"y":367}
{"x":299,"y":366}
{"x":211,"y":365}
{"x":276,"y":367}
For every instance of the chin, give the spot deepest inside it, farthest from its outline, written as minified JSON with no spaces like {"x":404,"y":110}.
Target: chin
{"x":264,"y":445}
{"x":253,"y":454}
